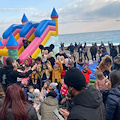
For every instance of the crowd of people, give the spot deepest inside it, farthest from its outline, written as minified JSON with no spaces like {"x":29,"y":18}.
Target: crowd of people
{"x":33,"y":87}
{"x":94,"y":50}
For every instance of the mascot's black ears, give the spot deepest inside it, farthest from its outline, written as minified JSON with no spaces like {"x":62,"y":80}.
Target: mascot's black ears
{"x":52,"y":46}
{"x":41,"y":47}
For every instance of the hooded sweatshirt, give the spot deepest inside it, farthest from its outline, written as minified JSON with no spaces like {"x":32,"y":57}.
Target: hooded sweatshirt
{"x":87,"y":105}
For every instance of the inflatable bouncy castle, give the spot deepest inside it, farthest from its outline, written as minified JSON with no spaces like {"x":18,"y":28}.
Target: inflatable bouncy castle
{"x":45,"y":33}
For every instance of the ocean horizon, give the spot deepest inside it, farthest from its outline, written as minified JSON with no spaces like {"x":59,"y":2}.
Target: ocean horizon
{"x":91,"y":37}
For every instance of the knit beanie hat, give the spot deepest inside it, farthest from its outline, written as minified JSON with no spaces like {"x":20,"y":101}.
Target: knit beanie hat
{"x":56,"y":65}
{"x":48,"y":83}
{"x":75,"y":78}
{"x":52,"y":93}
{"x":53,"y":85}
{"x":36,"y":92}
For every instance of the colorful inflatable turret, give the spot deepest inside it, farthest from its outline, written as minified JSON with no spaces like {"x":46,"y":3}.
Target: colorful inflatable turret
{"x":24,"y":19}
{"x":54,"y":16}
{"x":1,"y":45}
{"x":12,"y":47}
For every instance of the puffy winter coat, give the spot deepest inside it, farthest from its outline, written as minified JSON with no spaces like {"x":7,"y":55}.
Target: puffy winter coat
{"x":47,"y":107}
{"x":113,"y":104}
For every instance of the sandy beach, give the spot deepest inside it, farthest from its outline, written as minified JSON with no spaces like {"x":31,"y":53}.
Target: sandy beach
{"x":89,"y":54}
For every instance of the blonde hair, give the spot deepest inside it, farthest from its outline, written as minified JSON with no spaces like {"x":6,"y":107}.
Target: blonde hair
{"x":85,"y":62}
{"x":2,"y":93}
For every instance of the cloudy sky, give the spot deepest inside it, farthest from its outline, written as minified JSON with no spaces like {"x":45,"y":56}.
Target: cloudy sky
{"x":75,"y":16}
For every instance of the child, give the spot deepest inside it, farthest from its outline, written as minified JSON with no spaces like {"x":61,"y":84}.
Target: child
{"x":38,"y":99}
{"x":52,"y":87}
{"x":56,"y":73}
{"x":74,"y":59}
{"x":86,"y":63}
{"x":101,"y":82}
{"x":86,"y":72}
{"x":80,"y":62}
{"x":25,"y":42}
{"x":25,"y":89}
{"x":31,"y":96}
{"x":63,"y":92}
{"x":70,"y":65}
{"x":45,"y":71}
{"x":25,"y":80}
{"x":35,"y":80}
{"x":44,"y":89}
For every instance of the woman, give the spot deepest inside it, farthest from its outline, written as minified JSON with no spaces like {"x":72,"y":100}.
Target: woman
{"x":15,"y":106}
{"x":112,"y":102}
{"x":9,"y":76}
{"x":2,"y":95}
{"x":85,"y":52}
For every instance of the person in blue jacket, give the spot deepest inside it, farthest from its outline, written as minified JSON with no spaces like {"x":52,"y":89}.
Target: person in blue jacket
{"x":112,"y":102}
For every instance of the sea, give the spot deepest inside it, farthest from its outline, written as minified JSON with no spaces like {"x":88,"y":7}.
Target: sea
{"x":91,"y":37}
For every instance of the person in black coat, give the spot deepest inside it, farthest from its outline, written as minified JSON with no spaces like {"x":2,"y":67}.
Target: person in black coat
{"x":112,"y":97}
{"x":9,"y":76}
{"x":25,"y":42}
{"x":93,"y":51}
{"x":71,"y":48}
{"x":85,"y":100}
{"x":119,"y":48}
{"x":80,"y":50}
{"x":113,"y":52}
{"x":35,"y":80}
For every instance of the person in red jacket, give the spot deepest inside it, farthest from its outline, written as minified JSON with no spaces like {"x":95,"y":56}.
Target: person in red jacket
{"x":86,"y":72}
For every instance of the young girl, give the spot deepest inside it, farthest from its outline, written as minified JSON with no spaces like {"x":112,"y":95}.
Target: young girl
{"x":86,"y":72}
{"x":25,"y":80}
{"x":101,"y":82}
{"x":35,"y":80}
{"x":38,"y":100}
{"x":45,"y":71}
{"x":80,"y":62}
{"x":56,"y":73}
{"x":63,"y":92}
{"x":44,"y":89}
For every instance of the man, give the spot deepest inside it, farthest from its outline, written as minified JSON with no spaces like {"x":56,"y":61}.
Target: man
{"x":80,"y":50}
{"x":116,"y":65}
{"x":93,"y":51}
{"x":71,"y":49}
{"x":119,"y":48}
{"x":86,"y":103}
{"x":104,"y":52}
{"x":113,"y":52}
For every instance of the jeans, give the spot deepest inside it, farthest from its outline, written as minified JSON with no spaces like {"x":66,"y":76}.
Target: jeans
{"x":80,"y":54}
{"x":93,"y":56}
{"x":71,"y":53}
{"x":85,"y":55}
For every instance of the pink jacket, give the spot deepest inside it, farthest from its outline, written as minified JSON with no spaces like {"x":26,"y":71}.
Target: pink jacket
{"x":101,"y":84}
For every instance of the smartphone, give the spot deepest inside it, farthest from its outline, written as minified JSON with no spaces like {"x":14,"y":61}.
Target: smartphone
{"x":58,"y":114}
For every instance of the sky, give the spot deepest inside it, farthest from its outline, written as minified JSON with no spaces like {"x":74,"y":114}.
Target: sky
{"x":75,"y":16}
